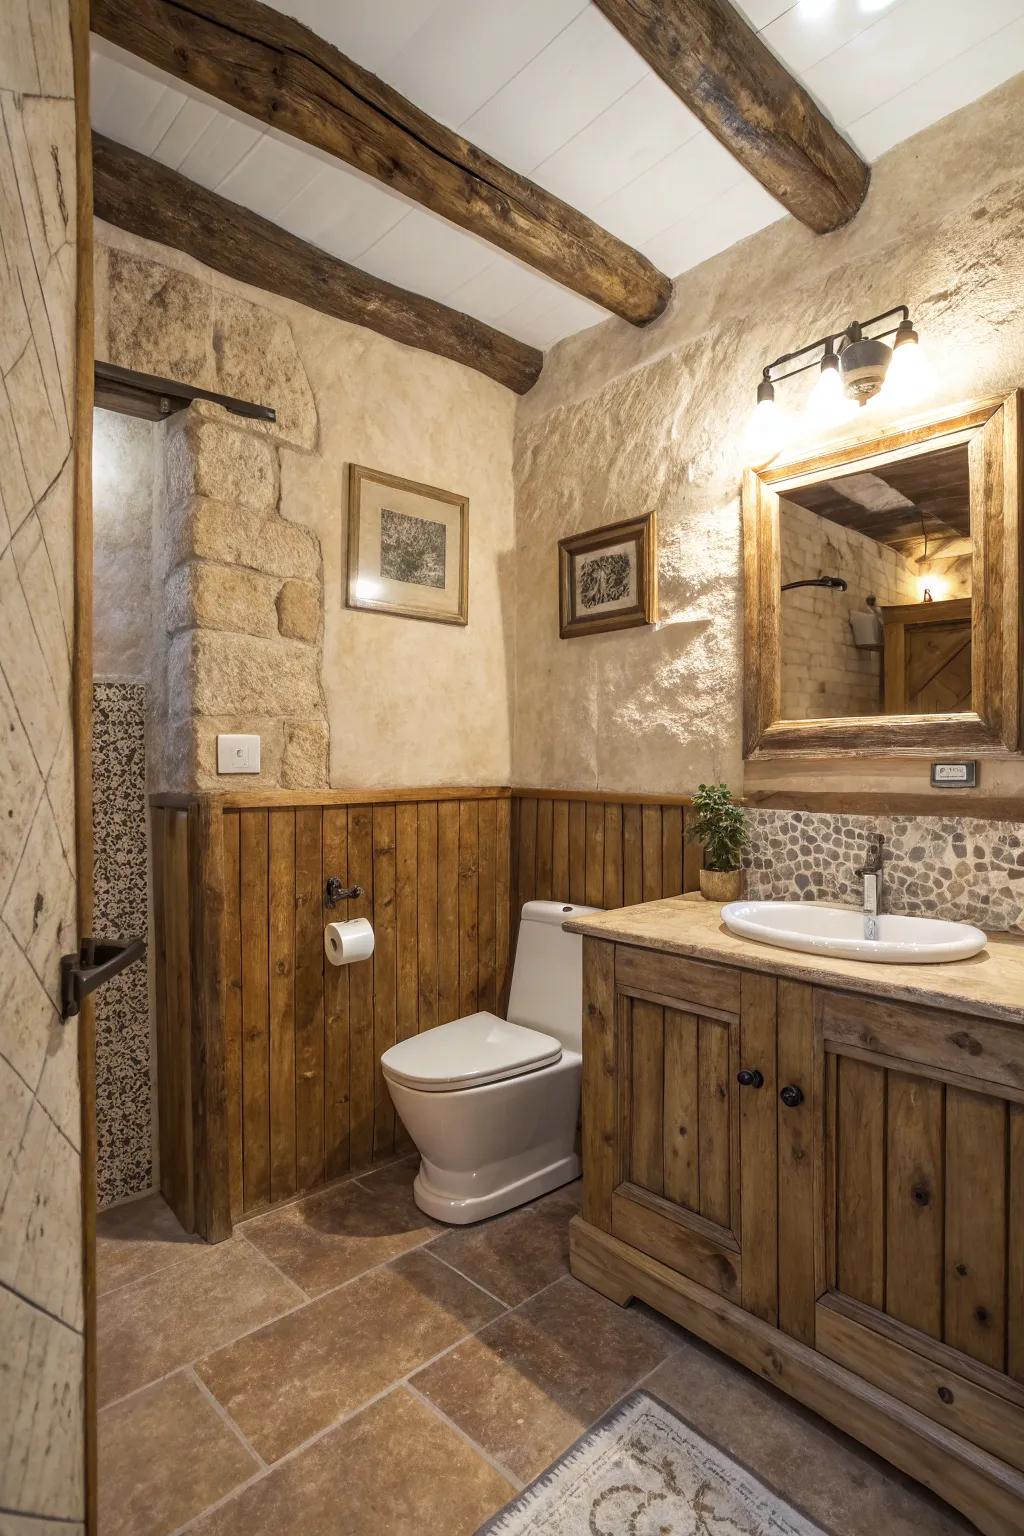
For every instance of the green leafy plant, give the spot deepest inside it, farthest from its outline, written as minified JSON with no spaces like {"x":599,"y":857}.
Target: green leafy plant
{"x":720,"y":825}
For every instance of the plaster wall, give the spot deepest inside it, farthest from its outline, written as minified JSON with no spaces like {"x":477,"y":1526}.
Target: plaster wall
{"x":623,"y":421}
{"x":407,"y":702}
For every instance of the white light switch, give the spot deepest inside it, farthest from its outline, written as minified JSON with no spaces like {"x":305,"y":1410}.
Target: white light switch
{"x":238,"y":754}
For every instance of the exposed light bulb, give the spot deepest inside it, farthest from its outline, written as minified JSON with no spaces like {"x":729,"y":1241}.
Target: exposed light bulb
{"x":909,"y":377}
{"x":932,"y":588}
{"x":829,"y":403}
{"x":764,"y":430}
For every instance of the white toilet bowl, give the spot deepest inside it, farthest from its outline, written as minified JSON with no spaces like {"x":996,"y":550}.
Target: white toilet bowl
{"x":493,"y":1105}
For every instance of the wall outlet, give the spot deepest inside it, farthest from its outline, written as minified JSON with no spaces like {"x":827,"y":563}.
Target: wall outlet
{"x":238,"y":754}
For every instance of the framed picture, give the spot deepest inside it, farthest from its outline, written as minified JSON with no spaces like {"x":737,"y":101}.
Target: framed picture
{"x":408,"y":548}
{"x":608,"y":578}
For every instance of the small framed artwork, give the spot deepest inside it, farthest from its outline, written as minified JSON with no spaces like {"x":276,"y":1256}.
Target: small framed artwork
{"x":608,"y":578}
{"x":408,"y":548}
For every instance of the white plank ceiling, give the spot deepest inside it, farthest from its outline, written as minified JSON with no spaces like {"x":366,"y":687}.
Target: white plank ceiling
{"x":550,"y":88}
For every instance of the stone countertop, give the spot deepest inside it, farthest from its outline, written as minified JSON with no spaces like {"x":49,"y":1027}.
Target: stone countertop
{"x":989,"y":985}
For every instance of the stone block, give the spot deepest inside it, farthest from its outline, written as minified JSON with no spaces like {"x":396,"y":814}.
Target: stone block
{"x":209,"y":529}
{"x":256,"y":359}
{"x":193,"y":762}
{"x":212,"y":672}
{"x":207,"y":457}
{"x":298,"y":610}
{"x":205,"y":596}
{"x":159,"y":320}
{"x":306,"y":751}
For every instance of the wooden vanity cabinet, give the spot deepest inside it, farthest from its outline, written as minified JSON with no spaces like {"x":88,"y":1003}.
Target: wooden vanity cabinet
{"x":829,"y":1187}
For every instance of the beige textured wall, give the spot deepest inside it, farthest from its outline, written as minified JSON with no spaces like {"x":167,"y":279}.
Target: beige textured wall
{"x":407,"y":702}
{"x":625,"y":420}
{"x":123,"y":466}
{"x":41,"y":1306}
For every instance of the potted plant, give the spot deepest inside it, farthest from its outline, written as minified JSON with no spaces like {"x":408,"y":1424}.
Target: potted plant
{"x":721,"y":827}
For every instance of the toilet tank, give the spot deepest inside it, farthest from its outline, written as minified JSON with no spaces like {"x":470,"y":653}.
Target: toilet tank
{"x":547,"y":977}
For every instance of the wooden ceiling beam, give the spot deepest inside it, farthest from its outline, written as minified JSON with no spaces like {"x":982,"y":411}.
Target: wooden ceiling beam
{"x":730,"y":79}
{"x":273,"y":68}
{"x":147,"y":198}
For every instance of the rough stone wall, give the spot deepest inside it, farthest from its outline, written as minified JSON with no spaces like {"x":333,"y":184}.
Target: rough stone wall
{"x":823,"y":672}
{"x":406,"y":702}
{"x":124,"y":464}
{"x":625,"y":420}
{"x":41,"y":1304}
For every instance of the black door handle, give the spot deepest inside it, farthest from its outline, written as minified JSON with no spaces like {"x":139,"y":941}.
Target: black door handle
{"x":98,"y":961}
{"x":750,"y":1078}
{"x":792,"y":1096}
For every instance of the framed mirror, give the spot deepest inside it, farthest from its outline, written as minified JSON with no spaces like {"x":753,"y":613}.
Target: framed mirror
{"x":882,"y":592}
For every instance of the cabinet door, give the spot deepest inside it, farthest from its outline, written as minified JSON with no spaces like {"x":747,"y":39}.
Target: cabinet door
{"x":685,"y":1167}
{"x":923,"y":1222}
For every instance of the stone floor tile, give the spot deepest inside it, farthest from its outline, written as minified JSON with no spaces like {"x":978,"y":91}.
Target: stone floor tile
{"x":137,"y":1239}
{"x":395,"y":1468}
{"x":165,"y":1455}
{"x":286,"y":1382}
{"x":531,"y":1382}
{"x":149,"y":1328}
{"x":835,"y":1481}
{"x":322,"y":1241}
{"x":517,"y":1254}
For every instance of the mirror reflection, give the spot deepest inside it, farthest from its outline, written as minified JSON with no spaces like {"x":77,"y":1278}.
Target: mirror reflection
{"x":876,"y":590}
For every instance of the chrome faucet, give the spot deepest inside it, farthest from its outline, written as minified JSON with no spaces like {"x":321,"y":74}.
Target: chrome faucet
{"x":871,"y":874}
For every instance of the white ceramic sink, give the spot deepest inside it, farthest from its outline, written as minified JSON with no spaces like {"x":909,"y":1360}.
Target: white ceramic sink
{"x":838,"y":931}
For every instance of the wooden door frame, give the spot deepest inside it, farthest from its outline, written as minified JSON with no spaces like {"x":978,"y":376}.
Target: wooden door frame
{"x":82,"y":669}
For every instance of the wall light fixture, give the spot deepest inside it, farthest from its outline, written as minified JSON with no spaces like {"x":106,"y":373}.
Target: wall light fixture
{"x":852,"y":365}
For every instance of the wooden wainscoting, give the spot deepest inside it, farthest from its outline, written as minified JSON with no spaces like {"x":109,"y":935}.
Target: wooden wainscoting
{"x":269,"y":1080}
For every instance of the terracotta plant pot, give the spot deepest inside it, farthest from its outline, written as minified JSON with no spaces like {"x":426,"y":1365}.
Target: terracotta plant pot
{"x":721,"y":884}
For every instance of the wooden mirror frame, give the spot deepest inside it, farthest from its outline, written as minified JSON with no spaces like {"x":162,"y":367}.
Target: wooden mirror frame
{"x":992,"y":429}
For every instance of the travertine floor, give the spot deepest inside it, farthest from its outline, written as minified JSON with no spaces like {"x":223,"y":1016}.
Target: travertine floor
{"x":346,"y":1367}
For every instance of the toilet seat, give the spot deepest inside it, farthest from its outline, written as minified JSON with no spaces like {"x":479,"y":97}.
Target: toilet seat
{"x":468,"y":1052}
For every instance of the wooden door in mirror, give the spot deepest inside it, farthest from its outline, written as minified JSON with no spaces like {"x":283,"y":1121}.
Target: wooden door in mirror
{"x":920,"y":526}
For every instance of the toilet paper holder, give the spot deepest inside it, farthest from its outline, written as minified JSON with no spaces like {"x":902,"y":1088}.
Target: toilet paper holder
{"x":335,"y":892}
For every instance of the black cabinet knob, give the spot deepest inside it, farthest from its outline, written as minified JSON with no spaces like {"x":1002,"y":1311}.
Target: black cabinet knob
{"x":792,"y":1096}
{"x":750,"y":1078}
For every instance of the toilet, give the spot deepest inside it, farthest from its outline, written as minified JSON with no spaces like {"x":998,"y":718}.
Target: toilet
{"x":492,"y":1104}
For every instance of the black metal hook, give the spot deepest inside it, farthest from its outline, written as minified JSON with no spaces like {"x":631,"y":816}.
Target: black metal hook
{"x":335,"y":892}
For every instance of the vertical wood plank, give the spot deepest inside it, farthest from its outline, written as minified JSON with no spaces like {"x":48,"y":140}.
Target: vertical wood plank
{"x":715,"y":1095}
{"x":647,"y":1140}
{"x":253,"y":832}
{"x":652,"y":877}
{"x":632,"y":856}
{"x":406,"y":856}
{"x":600,"y":1103}
{"x":206,"y":969}
{"x":976,"y":1159}
{"x":1015,"y":1258}
{"x":469,"y":898}
{"x":560,"y":851}
{"x":860,"y":1181}
{"x":309,"y":997}
{"x":594,"y":880}
{"x":798,"y":1202}
{"x":527,"y":860}
{"x":671,"y":850}
{"x":915,"y":1199}
{"x":545,"y":849}
{"x":174,"y":1083}
{"x":385,"y":977}
{"x":362,"y":1067}
{"x":487,"y":993}
{"x":336,"y":1012}
{"x":693,"y":856}
{"x":282,"y":889}
{"x":503,"y":900}
{"x":759,"y":1279}
{"x":448,"y":911}
{"x":426,"y":913}
{"x":681,"y":1110}
{"x":577,"y":851}
{"x":232,"y":1007}
{"x":612,"y":897}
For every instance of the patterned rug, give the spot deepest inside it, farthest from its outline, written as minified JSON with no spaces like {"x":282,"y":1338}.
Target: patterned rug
{"x":642,"y":1472}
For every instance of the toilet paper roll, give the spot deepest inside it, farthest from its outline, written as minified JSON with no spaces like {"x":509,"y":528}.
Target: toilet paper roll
{"x":345,"y":942}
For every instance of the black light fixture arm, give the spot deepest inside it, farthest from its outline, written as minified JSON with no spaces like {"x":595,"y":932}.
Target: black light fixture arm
{"x":836,"y":342}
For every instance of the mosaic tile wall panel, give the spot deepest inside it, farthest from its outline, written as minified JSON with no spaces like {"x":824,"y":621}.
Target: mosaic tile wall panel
{"x":124,"y":1108}
{"x":957,"y":867}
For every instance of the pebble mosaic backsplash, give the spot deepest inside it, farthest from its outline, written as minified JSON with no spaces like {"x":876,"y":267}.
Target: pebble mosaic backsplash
{"x":958,"y":867}
{"x":124,"y":1099}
